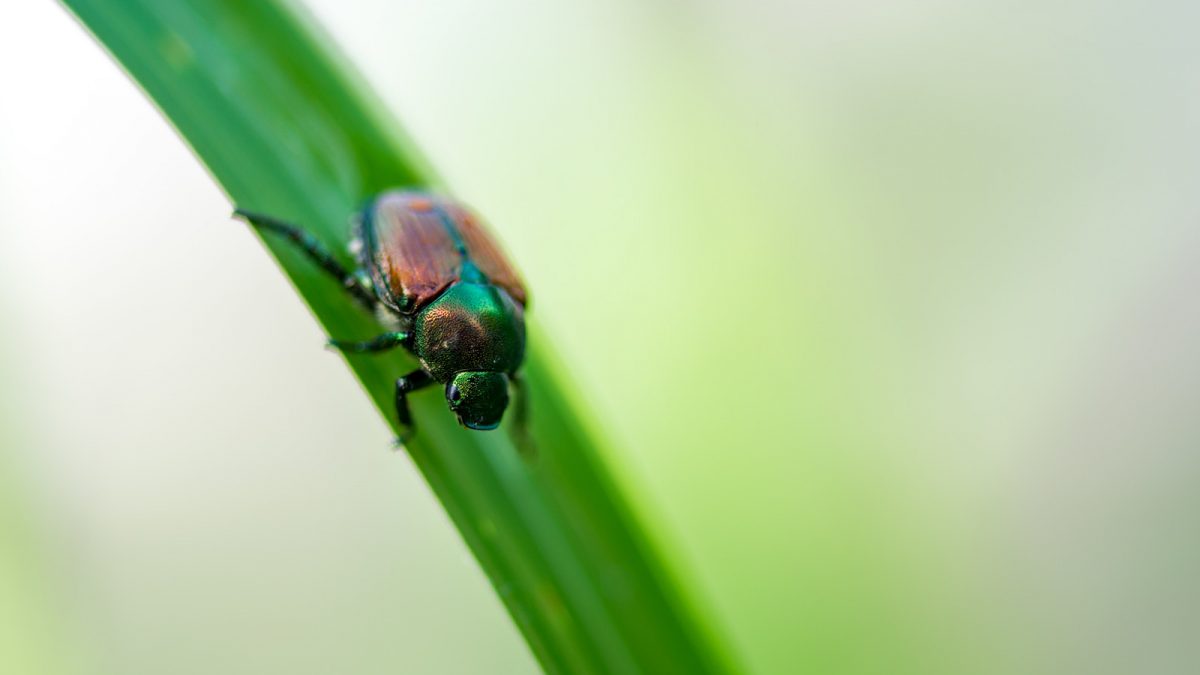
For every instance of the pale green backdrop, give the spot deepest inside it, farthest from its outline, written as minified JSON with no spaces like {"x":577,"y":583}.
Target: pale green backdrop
{"x":889,"y":313}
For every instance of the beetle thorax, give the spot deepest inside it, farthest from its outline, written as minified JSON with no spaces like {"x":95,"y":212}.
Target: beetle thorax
{"x":470,"y":327}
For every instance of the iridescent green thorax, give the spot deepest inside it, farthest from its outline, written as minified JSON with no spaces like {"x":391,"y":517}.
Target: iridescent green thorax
{"x":470,"y":327}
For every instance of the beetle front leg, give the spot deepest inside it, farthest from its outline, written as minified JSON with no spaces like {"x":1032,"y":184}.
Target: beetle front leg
{"x":519,"y":429}
{"x":316,"y":251}
{"x":417,"y":379}
{"x":380,"y":343}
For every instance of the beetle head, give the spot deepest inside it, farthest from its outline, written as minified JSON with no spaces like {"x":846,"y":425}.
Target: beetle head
{"x":478,"y":398}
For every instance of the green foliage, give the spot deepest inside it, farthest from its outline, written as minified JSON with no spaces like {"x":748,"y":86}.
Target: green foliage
{"x":286,"y":128}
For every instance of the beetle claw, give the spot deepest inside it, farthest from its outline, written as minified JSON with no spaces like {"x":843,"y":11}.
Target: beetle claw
{"x":401,"y":442}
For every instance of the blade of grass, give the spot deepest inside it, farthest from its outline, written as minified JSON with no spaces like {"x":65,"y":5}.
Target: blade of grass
{"x":287,"y":128}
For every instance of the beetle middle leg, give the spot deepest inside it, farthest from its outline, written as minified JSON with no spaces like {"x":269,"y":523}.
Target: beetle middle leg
{"x":417,"y":379}
{"x":379,"y":343}
{"x":316,"y":251}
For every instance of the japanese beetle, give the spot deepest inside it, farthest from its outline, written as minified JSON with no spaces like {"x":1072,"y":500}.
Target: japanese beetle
{"x":431,"y":273}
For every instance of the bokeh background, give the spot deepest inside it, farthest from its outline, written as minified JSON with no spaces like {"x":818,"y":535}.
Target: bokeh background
{"x":888,"y":311}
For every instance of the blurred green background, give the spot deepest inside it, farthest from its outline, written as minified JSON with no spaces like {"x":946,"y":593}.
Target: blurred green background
{"x":889,"y":312}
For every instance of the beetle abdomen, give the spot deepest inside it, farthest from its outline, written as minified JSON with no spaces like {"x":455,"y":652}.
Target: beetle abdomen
{"x":416,"y":245}
{"x":486,"y":254}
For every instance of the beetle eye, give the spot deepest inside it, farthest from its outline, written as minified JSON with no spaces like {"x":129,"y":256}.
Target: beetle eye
{"x":453,"y":394}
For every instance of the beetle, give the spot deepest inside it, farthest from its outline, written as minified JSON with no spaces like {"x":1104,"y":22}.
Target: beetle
{"x":429,"y":271}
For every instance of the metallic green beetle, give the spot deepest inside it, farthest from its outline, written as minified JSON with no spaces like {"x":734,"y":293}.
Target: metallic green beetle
{"x":430,"y":272}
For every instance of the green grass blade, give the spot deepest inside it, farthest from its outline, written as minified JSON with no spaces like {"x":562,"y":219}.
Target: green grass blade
{"x":286,"y":128}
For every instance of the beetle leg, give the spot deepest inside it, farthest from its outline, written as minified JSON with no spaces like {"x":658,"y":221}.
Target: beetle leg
{"x":519,"y":430}
{"x":316,"y":252}
{"x":411,"y":382}
{"x":380,"y":343}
